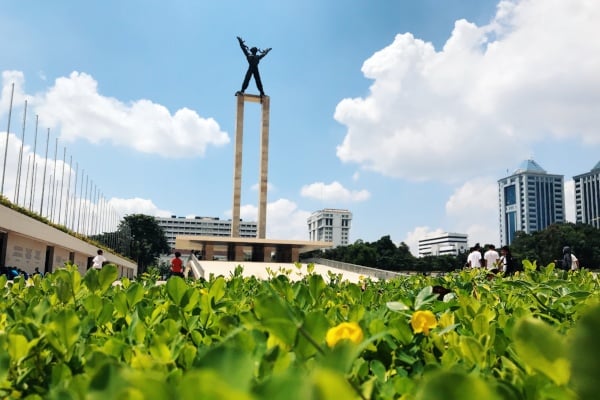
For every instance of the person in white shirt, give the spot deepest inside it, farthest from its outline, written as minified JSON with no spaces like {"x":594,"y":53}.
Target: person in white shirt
{"x":99,"y":260}
{"x":474,"y":258}
{"x":574,"y":262}
{"x":491,"y":257}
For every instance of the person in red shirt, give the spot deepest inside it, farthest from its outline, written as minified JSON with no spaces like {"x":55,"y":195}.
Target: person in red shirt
{"x":177,"y":265}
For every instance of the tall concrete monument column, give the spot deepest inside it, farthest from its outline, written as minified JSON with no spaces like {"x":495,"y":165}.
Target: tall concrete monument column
{"x":263,"y":167}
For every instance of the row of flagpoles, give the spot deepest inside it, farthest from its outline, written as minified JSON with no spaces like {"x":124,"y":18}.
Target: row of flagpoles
{"x":52,"y":188}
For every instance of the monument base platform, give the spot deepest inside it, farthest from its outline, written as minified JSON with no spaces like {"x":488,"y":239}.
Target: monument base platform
{"x":247,"y":249}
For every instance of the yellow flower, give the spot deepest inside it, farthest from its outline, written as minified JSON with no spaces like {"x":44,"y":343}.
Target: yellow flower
{"x":423,"y":321}
{"x":345,"y":330}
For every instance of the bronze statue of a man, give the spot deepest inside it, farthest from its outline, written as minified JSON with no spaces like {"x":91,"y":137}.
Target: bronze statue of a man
{"x":253,"y":56}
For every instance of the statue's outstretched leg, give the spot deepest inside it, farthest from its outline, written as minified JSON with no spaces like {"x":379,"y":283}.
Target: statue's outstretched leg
{"x":258,"y":83}
{"x":245,"y":83}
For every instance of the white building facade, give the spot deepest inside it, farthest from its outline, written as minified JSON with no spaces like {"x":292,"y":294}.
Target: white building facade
{"x":587,"y":197}
{"x":444,"y":244}
{"x":330,"y":225}
{"x":530,"y":199}
{"x":202,"y":226}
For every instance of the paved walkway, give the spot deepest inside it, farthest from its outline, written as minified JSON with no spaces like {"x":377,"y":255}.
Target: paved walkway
{"x":266,"y":270}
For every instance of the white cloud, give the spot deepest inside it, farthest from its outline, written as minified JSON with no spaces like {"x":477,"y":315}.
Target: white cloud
{"x":59,"y":194}
{"x":333,"y":192}
{"x":473,"y":209}
{"x":531,"y":72}
{"x":286,"y":221}
{"x":569,"y":200}
{"x":18,"y":96}
{"x":137,"y":205}
{"x":420,"y":232}
{"x":76,"y":108}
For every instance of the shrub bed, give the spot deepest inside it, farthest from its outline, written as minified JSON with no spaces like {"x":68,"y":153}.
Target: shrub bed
{"x":467,"y":335}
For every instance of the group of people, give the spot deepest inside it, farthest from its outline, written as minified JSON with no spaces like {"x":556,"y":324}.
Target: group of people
{"x":13,"y":272}
{"x":504,"y":262}
{"x":491,"y":259}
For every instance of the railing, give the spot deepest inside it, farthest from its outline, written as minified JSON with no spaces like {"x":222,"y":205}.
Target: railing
{"x":359,"y":269}
{"x":194,"y":264}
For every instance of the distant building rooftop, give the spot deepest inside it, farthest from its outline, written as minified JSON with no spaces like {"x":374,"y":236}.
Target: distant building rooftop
{"x":529,"y":166}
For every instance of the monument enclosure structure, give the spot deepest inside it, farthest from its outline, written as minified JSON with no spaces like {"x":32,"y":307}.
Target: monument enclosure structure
{"x":263,"y":163}
{"x":236,"y":247}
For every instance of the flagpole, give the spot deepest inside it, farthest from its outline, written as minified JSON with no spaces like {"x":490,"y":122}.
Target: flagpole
{"x":80,"y":196}
{"x":44,"y":178}
{"x":62,"y":184}
{"x":12,"y":92}
{"x":19,"y":165}
{"x":75,"y":197}
{"x":34,"y":167}
{"x":53,"y":184}
{"x":68,"y":192}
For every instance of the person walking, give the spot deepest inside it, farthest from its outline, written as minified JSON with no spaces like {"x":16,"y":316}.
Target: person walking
{"x":491,"y":258}
{"x":99,"y":260}
{"x":567,"y":260}
{"x":177,"y":265}
{"x":474,"y":258}
{"x":506,"y":262}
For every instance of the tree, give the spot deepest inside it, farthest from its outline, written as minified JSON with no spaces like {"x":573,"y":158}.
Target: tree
{"x":148,"y":239}
{"x":546,"y":246}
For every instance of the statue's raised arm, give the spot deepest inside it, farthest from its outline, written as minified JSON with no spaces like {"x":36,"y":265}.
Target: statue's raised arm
{"x":243,"y":46}
{"x":264,"y":52}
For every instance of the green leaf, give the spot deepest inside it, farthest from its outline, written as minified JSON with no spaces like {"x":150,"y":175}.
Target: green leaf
{"x":135,"y":293}
{"x":378,"y":370}
{"x":90,"y":279}
{"x":316,"y":285}
{"x":217,"y":289}
{"x":449,"y":385}
{"x":542,"y":349}
{"x":176,"y":288}
{"x":63,"y":332}
{"x":120,"y":304}
{"x":234,"y":366}
{"x":315,"y":325}
{"x":275,"y":318}
{"x":472,"y":350}
{"x":424,"y":297}
{"x":584,"y":355}
{"x":209,"y":385}
{"x":93,"y":304}
{"x":397,"y":306}
{"x":331,"y":385}
{"x":19,"y":346}
{"x":190,"y":299}
{"x":106,"y":276}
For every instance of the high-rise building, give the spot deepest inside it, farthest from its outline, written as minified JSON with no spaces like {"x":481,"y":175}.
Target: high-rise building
{"x":443,"y":244}
{"x":202,"y":226}
{"x":530,"y":200}
{"x":330,"y":225}
{"x":587,"y":197}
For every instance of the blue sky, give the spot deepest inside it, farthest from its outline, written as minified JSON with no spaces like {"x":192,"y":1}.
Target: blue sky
{"x":404,"y":112}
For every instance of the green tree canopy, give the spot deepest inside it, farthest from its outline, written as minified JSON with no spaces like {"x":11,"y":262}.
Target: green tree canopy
{"x":546,"y":246}
{"x":384,"y":254}
{"x":148,"y":239}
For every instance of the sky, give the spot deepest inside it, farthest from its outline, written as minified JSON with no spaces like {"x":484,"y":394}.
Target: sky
{"x":405,"y":112}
